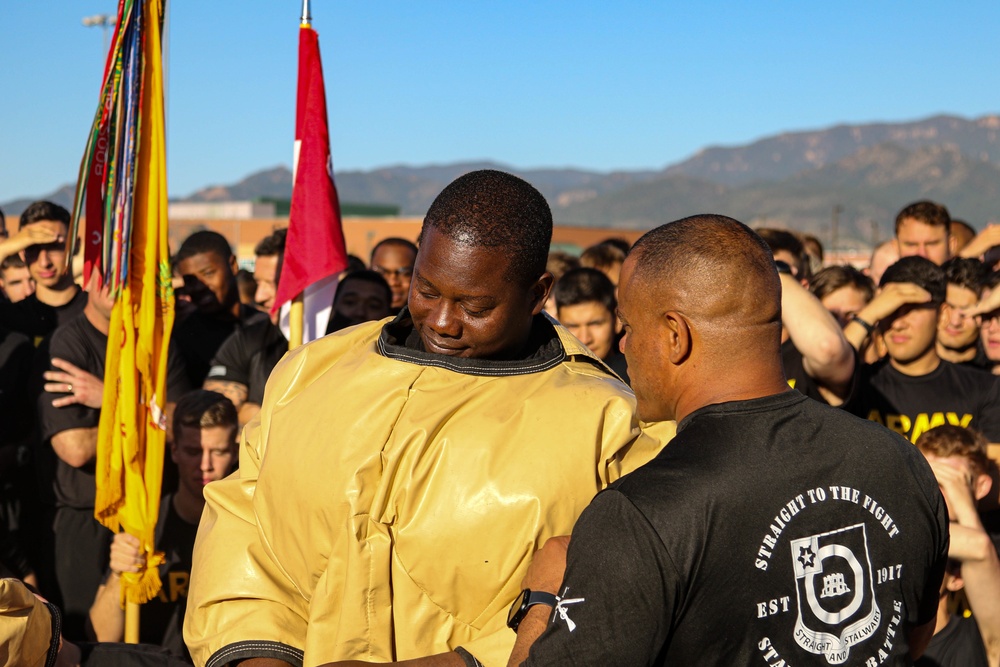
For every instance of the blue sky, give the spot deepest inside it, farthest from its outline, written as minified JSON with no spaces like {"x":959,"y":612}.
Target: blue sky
{"x":597,"y":85}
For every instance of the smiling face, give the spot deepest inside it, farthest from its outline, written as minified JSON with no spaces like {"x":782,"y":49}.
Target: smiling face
{"x":463,"y":304}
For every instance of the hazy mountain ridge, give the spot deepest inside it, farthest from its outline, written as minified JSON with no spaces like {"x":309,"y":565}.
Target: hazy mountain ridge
{"x":793,"y":179}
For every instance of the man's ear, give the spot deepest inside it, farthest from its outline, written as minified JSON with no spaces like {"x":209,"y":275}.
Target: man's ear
{"x":234,"y":265}
{"x":952,"y":245}
{"x":540,"y":292}
{"x":678,"y":333}
{"x":953,"y":580}
{"x":982,"y":485}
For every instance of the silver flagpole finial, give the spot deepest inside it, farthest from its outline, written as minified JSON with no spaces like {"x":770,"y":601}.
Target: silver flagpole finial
{"x":306,"y":18}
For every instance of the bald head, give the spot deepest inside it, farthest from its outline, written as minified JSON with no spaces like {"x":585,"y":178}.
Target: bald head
{"x":716,"y":269}
{"x":701,"y":302}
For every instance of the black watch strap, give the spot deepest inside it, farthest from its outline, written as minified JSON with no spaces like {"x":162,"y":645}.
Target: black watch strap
{"x":527,"y":599}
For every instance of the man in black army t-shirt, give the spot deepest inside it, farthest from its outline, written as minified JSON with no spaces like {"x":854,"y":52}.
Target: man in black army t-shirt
{"x":913,"y":389}
{"x":773,"y":530}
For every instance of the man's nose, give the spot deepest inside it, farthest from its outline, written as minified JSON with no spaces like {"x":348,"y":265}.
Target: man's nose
{"x":443,"y":321}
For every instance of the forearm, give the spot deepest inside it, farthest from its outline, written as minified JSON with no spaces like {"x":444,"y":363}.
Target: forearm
{"x":530,"y":629}
{"x":106,"y":614}
{"x":76,"y":446}
{"x":234,"y":391}
{"x":826,"y":353}
{"x":247,"y":412}
{"x":857,"y":334}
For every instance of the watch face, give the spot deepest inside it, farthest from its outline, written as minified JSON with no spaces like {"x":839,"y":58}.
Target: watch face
{"x":517,"y":609}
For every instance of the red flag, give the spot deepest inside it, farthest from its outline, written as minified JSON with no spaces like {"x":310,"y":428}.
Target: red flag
{"x":314,"y":248}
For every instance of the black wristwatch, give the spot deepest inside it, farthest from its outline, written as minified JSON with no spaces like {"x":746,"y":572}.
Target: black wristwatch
{"x":525,"y":601}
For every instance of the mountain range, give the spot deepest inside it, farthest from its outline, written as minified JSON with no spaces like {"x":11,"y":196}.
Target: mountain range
{"x":860,"y":174}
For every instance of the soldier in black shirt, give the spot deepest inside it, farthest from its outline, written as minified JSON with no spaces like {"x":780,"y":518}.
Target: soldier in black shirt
{"x":913,"y":389}
{"x":57,"y":299}
{"x":207,"y":264}
{"x":773,"y":530}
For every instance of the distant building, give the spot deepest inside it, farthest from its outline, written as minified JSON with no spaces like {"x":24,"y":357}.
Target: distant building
{"x":221,"y":210}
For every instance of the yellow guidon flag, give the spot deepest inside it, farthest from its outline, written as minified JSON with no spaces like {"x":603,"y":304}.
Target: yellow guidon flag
{"x":123,"y":187}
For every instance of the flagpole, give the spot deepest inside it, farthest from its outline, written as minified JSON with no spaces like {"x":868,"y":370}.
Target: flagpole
{"x":296,"y":313}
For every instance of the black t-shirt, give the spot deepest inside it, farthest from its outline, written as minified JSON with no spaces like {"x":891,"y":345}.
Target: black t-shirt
{"x":959,"y":644}
{"x":81,"y":344}
{"x":616,"y":361}
{"x":37,"y":320}
{"x":198,"y":337}
{"x":249,"y":356}
{"x":798,"y":379}
{"x":16,"y":411}
{"x":775,"y":529}
{"x":910,"y":405}
{"x":795,"y":372}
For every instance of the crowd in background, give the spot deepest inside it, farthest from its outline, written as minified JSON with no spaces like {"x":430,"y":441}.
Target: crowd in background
{"x":911,"y":341}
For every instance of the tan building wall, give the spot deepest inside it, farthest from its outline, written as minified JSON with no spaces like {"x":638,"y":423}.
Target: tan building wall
{"x":361,"y":234}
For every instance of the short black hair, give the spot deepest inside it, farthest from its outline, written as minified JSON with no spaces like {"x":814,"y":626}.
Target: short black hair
{"x":921,"y":272}
{"x":370,"y":276}
{"x":965,"y":272}
{"x":619,"y":242}
{"x":992,"y":280}
{"x":355,"y":263}
{"x":201,"y":408}
{"x":584,"y":286}
{"x":44,"y":210}
{"x":393,"y":240}
{"x":12,"y":262}
{"x":927,"y":212}
{"x":494,"y":209}
{"x":832,"y":278}
{"x":560,"y":262}
{"x":201,"y":242}
{"x":272,"y":245}
{"x":782,"y":239}
{"x":602,"y":256}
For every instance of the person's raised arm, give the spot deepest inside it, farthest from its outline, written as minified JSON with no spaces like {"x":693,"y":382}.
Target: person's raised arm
{"x":972,"y":546}
{"x":887,"y":301}
{"x":39,"y":233}
{"x":827,"y":356}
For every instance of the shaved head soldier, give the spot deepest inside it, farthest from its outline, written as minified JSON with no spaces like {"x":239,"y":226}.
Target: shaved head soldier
{"x":773,"y":529}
